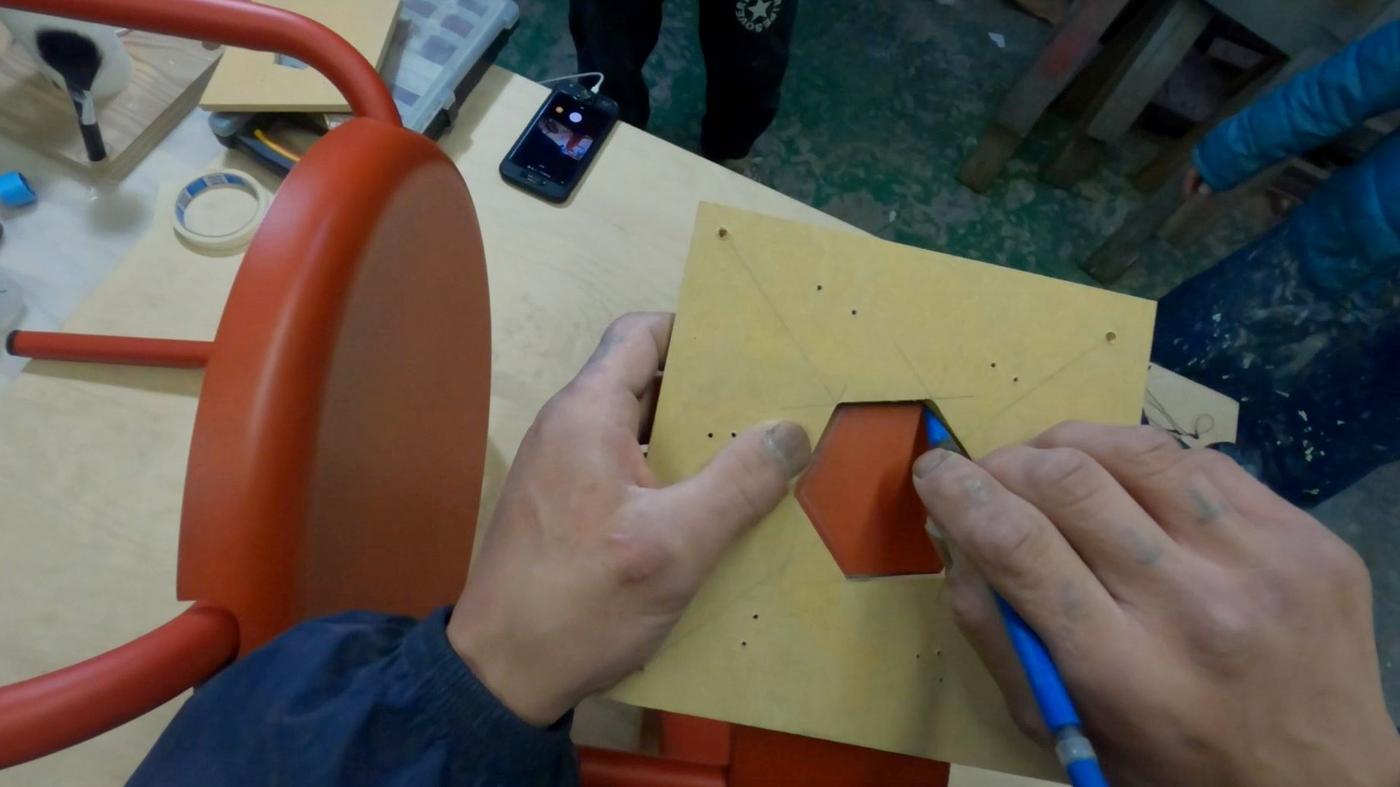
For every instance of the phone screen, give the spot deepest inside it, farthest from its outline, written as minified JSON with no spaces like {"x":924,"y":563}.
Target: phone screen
{"x":558,"y":145}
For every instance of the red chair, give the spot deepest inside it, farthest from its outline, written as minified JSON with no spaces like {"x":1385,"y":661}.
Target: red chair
{"x":340,"y":436}
{"x":345,"y":395}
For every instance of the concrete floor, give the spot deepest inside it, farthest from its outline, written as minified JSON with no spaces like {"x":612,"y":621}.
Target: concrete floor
{"x":882,"y":101}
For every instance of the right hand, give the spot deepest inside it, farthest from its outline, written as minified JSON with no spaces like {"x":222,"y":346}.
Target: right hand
{"x":1209,"y":632}
{"x":1193,"y":185}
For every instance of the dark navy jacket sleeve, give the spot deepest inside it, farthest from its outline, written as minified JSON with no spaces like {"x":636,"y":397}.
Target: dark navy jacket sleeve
{"x":355,"y":699}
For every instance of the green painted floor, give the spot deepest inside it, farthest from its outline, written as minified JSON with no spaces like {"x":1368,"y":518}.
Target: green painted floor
{"x":882,"y":101}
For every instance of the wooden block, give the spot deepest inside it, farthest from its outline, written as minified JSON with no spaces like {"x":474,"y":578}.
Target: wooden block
{"x":778,"y":637}
{"x":857,"y":494}
{"x":251,"y":81}
{"x":168,"y":75}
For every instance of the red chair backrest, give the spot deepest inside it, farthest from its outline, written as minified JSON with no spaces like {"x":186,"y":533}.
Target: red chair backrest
{"x":340,"y":438}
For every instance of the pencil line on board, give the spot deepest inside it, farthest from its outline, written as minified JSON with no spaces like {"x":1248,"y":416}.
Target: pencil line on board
{"x":734,"y":249}
{"x":788,"y":549}
{"x":1066,"y":365}
{"x":918,"y":378}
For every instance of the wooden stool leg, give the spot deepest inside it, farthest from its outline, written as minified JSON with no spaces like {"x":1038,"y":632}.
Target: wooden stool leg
{"x":1123,"y":247}
{"x":997,"y":146}
{"x":1077,"y":160}
{"x":1169,"y":37}
{"x":1027,"y":100}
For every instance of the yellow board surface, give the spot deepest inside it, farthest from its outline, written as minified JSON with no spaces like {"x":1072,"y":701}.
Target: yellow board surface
{"x":780,"y":320}
{"x":251,"y":81}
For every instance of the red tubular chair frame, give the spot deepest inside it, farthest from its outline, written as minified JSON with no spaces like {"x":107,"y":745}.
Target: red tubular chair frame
{"x":67,"y":706}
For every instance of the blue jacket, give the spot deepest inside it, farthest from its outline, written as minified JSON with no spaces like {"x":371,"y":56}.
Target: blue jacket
{"x":356,"y":699}
{"x":1347,"y":235}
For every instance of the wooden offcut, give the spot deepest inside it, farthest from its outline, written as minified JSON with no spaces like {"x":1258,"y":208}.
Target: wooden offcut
{"x":168,"y":75}
{"x":781,"y":320}
{"x":252,"y":81}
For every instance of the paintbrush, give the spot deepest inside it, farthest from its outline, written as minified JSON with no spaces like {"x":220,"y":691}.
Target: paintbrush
{"x":77,"y":58}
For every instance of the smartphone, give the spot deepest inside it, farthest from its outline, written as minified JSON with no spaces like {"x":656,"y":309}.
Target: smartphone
{"x":554,"y":151}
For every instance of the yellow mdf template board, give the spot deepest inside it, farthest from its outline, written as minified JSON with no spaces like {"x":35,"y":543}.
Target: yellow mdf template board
{"x":249,"y":81}
{"x":779,"y":320}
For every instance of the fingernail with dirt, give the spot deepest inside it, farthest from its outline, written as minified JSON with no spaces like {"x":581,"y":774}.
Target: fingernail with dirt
{"x":929,"y":462}
{"x":787,"y":442}
{"x":943,"y":546}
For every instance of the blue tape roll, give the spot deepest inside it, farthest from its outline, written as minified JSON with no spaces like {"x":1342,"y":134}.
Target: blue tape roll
{"x":15,"y":191}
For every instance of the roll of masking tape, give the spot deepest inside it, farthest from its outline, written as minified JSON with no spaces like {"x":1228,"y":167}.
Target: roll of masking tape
{"x":15,"y":191}
{"x":220,"y":211}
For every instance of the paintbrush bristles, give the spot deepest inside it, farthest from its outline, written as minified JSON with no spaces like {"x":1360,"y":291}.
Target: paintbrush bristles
{"x":71,"y":54}
{"x":78,"y":59}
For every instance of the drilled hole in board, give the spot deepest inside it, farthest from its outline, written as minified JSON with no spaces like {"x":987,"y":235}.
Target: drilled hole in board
{"x":994,"y":364}
{"x":819,"y":288}
{"x":853,"y":312}
{"x":743,"y":643}
{"x":1111,"y":337}
{"x":733,"y":434}
{"x":755,"y":616}
{"x":723,"y":233}
{"x":1015,"y":379}
{"x":711,"y":435}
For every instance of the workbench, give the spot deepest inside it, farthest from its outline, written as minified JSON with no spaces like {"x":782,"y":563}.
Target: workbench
{"x":93,"y":457}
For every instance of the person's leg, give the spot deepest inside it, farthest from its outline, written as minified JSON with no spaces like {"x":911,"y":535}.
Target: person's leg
{"x":615,"y":37}
{"x":746,"y":55}
{"x":1316,"y":386}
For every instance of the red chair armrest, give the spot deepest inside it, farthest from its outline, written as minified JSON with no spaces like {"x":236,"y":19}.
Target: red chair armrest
{"x":67,"y":706}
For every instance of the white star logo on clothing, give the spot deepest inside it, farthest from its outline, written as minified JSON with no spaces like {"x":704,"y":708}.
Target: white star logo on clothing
{"x":757,"y":15}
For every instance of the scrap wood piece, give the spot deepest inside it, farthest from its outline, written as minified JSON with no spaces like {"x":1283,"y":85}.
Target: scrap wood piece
{"x":780,"y":320}
{"x":1189,"y":411}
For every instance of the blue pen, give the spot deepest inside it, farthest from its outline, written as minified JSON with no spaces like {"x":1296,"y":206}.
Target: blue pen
{"x":1075,"y":753}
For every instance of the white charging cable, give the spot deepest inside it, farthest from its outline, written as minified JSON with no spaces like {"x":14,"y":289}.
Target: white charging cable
{"x":596,"y":86}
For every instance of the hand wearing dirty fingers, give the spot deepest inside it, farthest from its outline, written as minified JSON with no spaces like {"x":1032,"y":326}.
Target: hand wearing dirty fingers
{"x":588,"y":564}
{"x":1209,"y":632}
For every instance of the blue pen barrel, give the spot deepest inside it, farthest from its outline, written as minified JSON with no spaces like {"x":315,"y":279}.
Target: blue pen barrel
{"x":1049,"y":688}
{"x":1072,"y":748}
{"x":1086,"y":773}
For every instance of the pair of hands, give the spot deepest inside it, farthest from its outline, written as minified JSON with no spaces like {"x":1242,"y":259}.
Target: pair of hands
{"x":1209,"y":632}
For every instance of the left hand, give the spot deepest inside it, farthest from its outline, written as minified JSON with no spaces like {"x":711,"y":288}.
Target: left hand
{"x":588,"y":564}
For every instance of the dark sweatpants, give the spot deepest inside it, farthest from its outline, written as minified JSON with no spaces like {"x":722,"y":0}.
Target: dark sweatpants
{"x":745,"y":43}
{"x":1317,"y":373}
